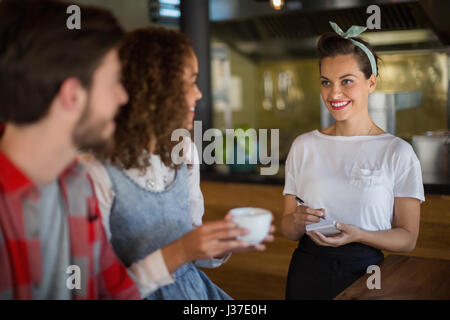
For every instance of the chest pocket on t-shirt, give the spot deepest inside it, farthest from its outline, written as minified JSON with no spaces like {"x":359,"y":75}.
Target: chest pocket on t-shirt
{"x":365,"y":177}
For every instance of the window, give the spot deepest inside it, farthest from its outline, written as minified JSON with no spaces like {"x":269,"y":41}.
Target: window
{"x":165,"y":11}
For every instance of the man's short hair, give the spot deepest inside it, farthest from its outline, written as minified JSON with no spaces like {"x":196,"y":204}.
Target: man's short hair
{"x":38,"y":52}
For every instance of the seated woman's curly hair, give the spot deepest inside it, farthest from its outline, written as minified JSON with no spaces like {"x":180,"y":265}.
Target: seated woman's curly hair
{"x":153,"y":61}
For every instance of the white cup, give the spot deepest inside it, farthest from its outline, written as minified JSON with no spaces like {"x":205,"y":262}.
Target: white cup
{"x":256,"y":220}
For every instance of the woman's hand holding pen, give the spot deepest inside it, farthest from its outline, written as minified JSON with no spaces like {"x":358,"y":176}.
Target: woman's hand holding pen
{"x":304,"y":215}
{"x":296,"y":216}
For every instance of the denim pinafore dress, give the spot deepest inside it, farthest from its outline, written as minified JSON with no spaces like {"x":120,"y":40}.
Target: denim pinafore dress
{"x":143,"y":221}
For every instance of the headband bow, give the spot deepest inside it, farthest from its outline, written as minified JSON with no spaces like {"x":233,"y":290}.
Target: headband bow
{"x":355,"y":31}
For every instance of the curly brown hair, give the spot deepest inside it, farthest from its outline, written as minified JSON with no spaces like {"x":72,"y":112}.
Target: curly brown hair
{"x":153,"y":63}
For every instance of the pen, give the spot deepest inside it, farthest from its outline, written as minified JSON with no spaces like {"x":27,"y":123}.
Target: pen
{"x":299,"y":200}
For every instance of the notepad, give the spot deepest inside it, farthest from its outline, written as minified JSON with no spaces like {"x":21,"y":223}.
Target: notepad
{"x":325,"y":227}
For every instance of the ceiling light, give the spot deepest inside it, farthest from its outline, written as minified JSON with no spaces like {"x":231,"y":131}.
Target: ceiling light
{"x":277,"y":4}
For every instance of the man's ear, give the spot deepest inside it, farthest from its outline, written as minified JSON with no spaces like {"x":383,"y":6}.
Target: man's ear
{"x":372,"y":83}
{"x":72,"y":95}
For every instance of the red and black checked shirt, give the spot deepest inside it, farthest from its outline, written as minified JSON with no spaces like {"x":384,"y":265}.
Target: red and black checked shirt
{"x":103,"y":276}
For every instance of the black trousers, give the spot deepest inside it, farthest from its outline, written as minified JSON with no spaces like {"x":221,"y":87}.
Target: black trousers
{"x":321,"y":273}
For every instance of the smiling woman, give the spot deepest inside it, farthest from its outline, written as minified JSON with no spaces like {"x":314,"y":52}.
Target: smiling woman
{"x":346,"y":94}
{"x":352,"y":172}
{"x":347,"y":79}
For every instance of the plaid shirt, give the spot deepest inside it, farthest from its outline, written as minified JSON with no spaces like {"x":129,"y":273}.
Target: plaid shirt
{"x":102,"y":275}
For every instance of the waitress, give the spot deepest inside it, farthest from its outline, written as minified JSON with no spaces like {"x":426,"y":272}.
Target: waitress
{"x":352,"y":172}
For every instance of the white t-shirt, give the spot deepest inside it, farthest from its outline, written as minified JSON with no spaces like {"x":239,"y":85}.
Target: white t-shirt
{"x":355,"y":179}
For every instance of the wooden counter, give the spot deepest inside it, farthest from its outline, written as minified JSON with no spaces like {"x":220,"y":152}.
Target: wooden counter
{"x":262,"y":275}
{"x":405,"y":278}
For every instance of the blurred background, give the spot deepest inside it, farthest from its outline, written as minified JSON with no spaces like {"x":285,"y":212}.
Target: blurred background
{"x":258,"y":70}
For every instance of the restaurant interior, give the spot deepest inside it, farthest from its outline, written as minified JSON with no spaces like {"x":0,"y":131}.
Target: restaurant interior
{"x":258,"y":69}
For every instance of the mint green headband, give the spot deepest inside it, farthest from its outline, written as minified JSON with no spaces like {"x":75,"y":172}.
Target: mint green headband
{"x":355,"y":31}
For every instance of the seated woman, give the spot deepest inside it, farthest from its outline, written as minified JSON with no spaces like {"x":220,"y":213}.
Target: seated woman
{"x":352,"y":172}
{"x":152,"y":206}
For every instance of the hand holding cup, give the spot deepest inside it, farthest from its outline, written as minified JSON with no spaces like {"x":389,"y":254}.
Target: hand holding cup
{"x":259,"y":224}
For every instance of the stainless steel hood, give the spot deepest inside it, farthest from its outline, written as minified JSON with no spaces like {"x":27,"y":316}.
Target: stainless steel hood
{"x":255,"y":29}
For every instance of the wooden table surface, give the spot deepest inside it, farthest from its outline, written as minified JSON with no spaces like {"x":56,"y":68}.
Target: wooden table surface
{"x":404,"y":277}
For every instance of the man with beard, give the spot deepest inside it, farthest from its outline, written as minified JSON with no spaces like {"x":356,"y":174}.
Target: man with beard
{"x":59,"y":92}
